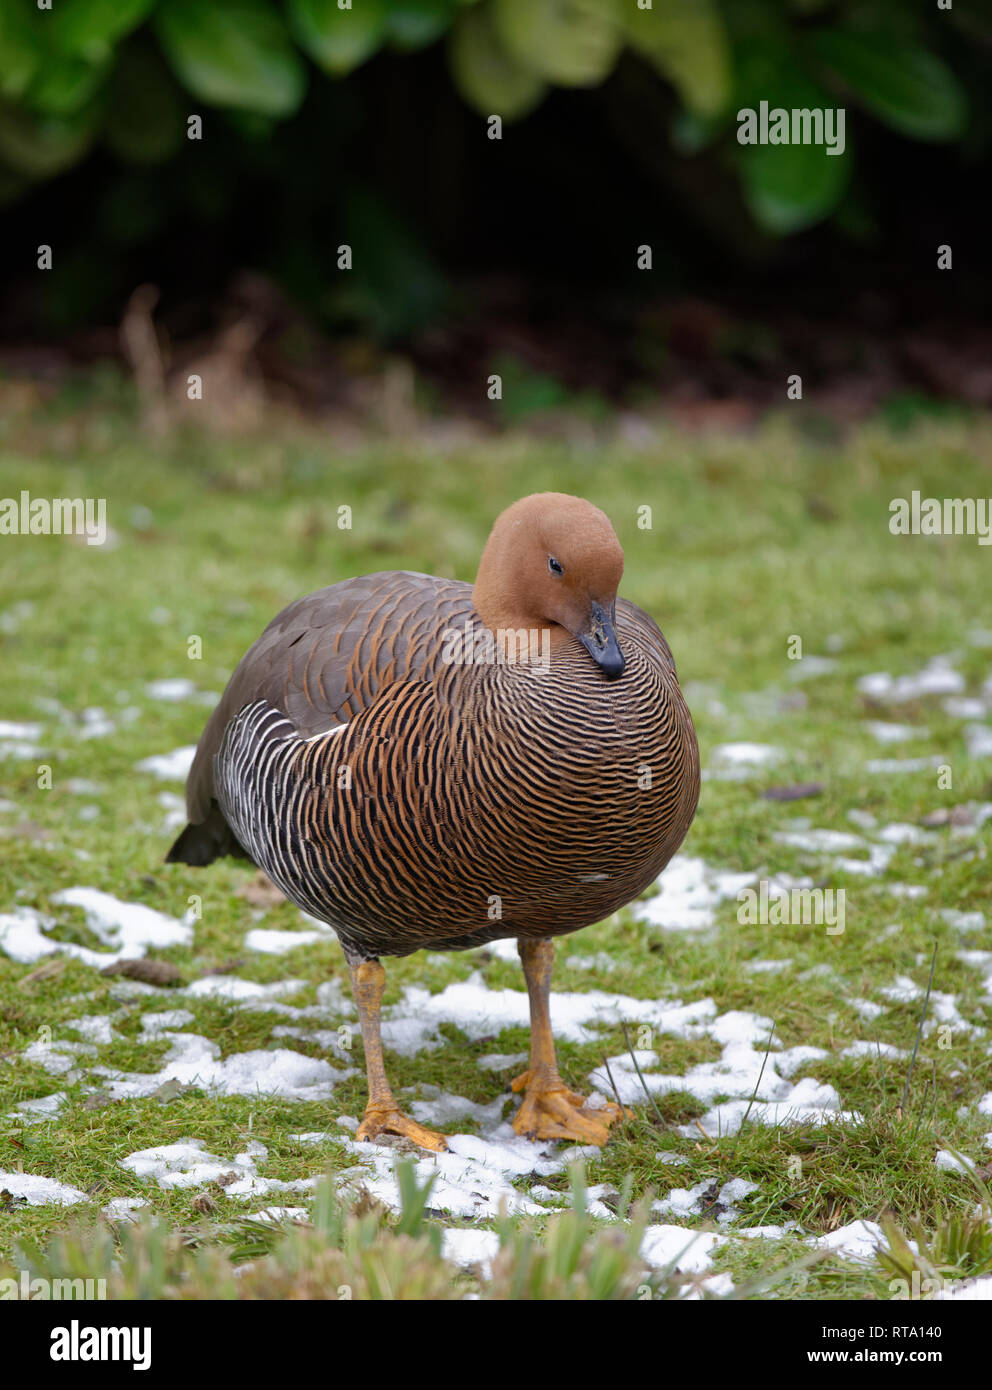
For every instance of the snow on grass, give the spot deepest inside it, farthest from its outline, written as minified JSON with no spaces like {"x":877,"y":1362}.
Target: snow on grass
{"x":473,"y":1178}
{"x":675,"y":1247}
{"x":40,"y":1109}
{"x":937,"y":678}
{"x":978,"y":738}
{"x":187,"y":1164}
{"x":894,"y":733}
{"x":194,"y":1060}
{"x":19,"y":740}
{"x":233,"y":987}
{"x":171,"y":767}
{"x":277,"y":943}
{"x":699,"y":1201}
{"x":466,"y":1246}
{"x":858,"y":1241}
{"x":479,"y":1011}
{"x":176,"y":689}
{"x":689,"y":891}
{"x":949,"y":1162}
{"x":40,"y":1192}
{"x":128,"y":928}
{"x":734,"y":762}
{"x":751,"y":1080}
{"x":121,"y":925}
{"x":888,"y":766}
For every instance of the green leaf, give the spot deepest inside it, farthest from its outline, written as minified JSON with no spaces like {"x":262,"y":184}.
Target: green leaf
{"x":897,"y":79}
{"x":574,"y":43}
{"x":20,"y":51}
{"x":338,"y":39}
{"x":65,"y":84}
{"x":787,"y":187}
{"x":790,"y":187}
{"x":232,"y":53}
{"x":417,"y":23}
{"x":486,"y":76}
{"x":92,"y":27}
{"x":144,"y":122}
{"x":685,"y":40}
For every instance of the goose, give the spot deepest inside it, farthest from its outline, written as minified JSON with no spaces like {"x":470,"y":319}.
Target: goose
{"x":425,"y":763}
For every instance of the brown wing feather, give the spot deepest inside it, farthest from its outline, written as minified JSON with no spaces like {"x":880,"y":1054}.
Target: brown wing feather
{"x":328,"y":655}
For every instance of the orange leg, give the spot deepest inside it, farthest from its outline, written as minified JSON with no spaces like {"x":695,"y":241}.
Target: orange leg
{"x":382,"y":1114}
{"x":550,"y":1110}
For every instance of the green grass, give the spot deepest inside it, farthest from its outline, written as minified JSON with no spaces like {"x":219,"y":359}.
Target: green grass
{"x":754,"y":540}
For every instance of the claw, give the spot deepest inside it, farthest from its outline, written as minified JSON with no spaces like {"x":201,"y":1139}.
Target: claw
{"x":551,"y":1111}
{"x":389,"y":1119}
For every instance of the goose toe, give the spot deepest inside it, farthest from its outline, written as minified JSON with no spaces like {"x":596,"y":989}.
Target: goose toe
{"x":390,"y":1119}
{"x":551,"y":1111}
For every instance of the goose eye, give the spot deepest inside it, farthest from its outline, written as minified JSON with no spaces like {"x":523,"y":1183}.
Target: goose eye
{"x":554,"y":566}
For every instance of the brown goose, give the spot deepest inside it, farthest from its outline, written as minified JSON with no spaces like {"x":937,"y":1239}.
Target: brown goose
{"x":424,"y":763}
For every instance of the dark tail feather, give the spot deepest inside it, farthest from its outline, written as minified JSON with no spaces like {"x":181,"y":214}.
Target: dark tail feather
{"x":203,"y":843}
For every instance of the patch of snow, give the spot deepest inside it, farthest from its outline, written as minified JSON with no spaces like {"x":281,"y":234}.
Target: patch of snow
{"x":862,"y":1048}
{"x":188,"y":1164}
{"x":473,"y":1177}
{"x":502,"y":1061}
{"x":233,"y":987}
{"x":766,"y":967}
{"x":965,"y":707}
{"x":42,"y":1108}
{"x":165,"y":1020}
{"x":41,"y":1192}
{"x":732,"y":762}
{"x":171,"y":767}
{"x":122,"y":925}
{"x":950,"y":1163}
{"x":963,"y":921}
{"x":936,"y":678}
{"x":817,"y":841}
{"x":894,"y":733}
{"x":858,"y":1241}
{"x":688,"y":894}
{"x":479,"y":1011}
{"x":122,"y":1209}
{"x":277,"y":943}
{"x":19,"y":740}
{"x":885,"y":766}
{"x":682,"y":1250}
{"x":171,"y":689}
{"x":465,"y":1245}
{"x":978,"y":738}
{"x":600,"y":961}
{"x":194,"y":1060}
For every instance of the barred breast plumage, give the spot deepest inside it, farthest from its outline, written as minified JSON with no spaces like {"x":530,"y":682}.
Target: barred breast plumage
{"x":406,"y":772}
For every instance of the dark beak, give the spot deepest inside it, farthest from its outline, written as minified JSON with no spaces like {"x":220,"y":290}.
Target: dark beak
{"x":601,"y":641}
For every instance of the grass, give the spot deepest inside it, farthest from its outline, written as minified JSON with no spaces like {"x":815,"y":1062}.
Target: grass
{"x":754,"y":540}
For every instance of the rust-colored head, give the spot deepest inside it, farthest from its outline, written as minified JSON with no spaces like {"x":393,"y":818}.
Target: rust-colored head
{"x":553,"y":561}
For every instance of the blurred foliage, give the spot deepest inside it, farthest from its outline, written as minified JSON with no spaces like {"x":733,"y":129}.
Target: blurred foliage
{"x":125,"y":76}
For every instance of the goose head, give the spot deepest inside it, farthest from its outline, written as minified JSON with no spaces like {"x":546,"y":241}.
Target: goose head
{"x":553,"y":562}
